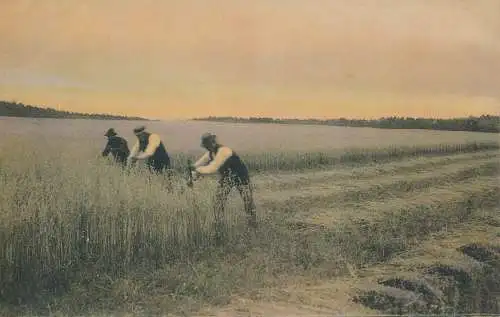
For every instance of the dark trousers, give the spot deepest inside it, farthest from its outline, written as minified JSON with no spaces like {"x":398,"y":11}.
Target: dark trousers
{"x":158,"y":166}
{"x":163,"y":168}
{"x":223,"y":190}
{"x":121,"y":158}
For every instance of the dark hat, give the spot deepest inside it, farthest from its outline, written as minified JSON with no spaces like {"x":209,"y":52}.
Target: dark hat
{"x":139,"y":129}
{"x":110,"y":132}
{"x":207,"y":137}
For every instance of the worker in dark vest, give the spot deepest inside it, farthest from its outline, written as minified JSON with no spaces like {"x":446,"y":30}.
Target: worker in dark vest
{"x":232,"y":174}
{"x":117,"y":146}
{"x":149,"y":147}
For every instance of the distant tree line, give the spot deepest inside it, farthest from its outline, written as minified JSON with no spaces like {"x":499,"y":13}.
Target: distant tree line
{"x":15,"y":109}
{"x":484,"y":123}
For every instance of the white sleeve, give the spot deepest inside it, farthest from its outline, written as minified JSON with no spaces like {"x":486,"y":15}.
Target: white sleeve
{"x":222,"y":155}
{"x":134,"y":150}
{"x":154,"y":142}
{"x":203,"y":160}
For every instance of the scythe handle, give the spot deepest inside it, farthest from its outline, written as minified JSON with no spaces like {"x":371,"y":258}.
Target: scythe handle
{"x":189,"y":175}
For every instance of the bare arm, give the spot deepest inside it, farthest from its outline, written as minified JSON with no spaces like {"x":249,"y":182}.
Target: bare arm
{"x":134,"y":151}
{"x":154,"y":142}
{"x":203,"y":160}
{"x":107,"y":149}
{"x":222,"y":155}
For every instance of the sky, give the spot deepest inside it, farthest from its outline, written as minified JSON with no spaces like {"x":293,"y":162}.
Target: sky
{"x":170,"y":59}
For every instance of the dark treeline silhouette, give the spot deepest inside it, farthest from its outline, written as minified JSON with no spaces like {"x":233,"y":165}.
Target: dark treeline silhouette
{"x":15,"y":109}
{"x":484,"y":123}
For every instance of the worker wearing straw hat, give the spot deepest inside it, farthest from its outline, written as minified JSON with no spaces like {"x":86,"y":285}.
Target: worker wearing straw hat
{"x":232,"y":171}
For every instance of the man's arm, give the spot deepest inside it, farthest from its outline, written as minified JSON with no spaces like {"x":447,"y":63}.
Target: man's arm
{"x":124,"y":146}
{"x":203,"y":160}
{"x":154,"y":142}
{"x":134,"y":151}
{"x":222,"y":155}
{"x":107,"y":149}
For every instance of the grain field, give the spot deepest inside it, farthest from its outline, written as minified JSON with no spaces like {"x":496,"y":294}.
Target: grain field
{"x":399,"y":226}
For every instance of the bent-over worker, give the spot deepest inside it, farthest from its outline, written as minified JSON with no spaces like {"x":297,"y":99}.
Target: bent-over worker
{"x":117,"y":146}
{"x":232,"y":173}
{"x":149,"y":147}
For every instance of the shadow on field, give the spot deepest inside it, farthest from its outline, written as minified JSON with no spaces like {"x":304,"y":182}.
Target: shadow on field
{"x":441,"y":288}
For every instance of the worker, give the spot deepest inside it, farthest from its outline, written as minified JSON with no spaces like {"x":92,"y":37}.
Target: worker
{"x":150,"y":148}
{"x":233,"y":173}
{"x":117,"y":146}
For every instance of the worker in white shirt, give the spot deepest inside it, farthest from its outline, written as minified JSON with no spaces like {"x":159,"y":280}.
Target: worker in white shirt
{"x":149,"y":147}
{"x":232,"y":173}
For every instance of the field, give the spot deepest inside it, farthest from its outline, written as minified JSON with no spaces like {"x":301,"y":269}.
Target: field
{"x":351,"y":221}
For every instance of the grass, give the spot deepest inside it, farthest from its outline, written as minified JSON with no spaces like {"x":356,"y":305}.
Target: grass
{"x":297,"y":161}
{"x":78,"y":235}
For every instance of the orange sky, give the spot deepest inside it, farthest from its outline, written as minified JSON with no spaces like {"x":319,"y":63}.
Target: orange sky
{"x":282,"y":58}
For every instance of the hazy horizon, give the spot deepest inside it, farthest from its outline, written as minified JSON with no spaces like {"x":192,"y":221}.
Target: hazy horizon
{"x":316,"y":59}
{"x":205,"y":117}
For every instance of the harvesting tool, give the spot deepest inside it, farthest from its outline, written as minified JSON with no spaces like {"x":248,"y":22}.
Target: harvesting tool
{"x":189,"y":173}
